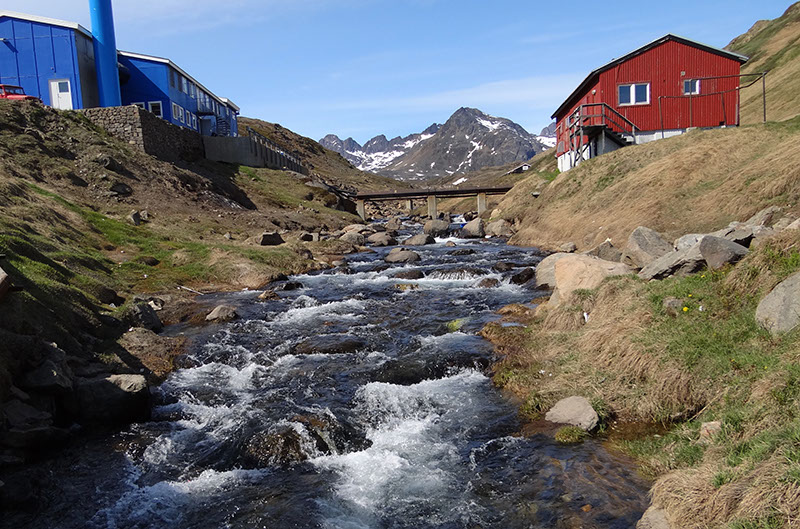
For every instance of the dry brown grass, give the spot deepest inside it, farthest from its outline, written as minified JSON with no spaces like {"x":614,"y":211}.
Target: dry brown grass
{"x":697,"y":182}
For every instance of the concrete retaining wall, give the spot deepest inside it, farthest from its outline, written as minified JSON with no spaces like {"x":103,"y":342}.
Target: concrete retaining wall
{"x":246,"y":150}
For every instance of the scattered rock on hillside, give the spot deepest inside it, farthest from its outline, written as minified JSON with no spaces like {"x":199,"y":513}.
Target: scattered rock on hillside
{"x":672,"y":306}
{"x":568,"y":247}
{"x":121,"y":189}
{"x":546,"y":270}
{"x":737,"y":232}
{"x":606,"y":251}
{"x":499,"y":228}
{"x":270,"y":238}
{"x":402,"y":256}
{"x":718,"y":251}
{"x":381,"y":239}
{"x":653,"y":518}
{"x":143,"y":315}
{"x":113,"y":398}
{"x":576,"y":411}
{"x":353,"y":237}
{"x":306,"y":237}
{"x":574,"y":272}
{"x":795,"y":225}
{"x":765,"y":217}
{"x":135,"y":218}
{"x":644,"y":247}
{"x":473,"y":229}
{"x":687,"y":241}
{"x":420,"y":239}
{"x":222,"y":313}
{"x":436,"y":228}
{"x":785,"y":222}
{"x":779,"y":311}
{"x":676,"y":263}
{"x":709,"y":429}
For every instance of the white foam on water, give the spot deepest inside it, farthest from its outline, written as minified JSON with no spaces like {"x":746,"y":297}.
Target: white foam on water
{"x":335,"y":310}
{"x":444,"y":340}
{"x":165,"y":503}
{"x":412,"y":456}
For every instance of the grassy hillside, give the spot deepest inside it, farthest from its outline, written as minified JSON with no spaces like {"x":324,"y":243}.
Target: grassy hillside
{"x":324,"y":162}
{"x":696,"y":182}
{"x":66,"y":190}
{"x":774,"y":46}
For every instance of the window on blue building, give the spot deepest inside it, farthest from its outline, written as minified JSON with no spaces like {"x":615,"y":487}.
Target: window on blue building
{"x":155,"y":108}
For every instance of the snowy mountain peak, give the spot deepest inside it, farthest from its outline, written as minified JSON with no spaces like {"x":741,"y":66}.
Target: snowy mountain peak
{"x":469,"y":140}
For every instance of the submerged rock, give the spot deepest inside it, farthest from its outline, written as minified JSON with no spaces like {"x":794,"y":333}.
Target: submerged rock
{"x":330,"y":344}
{"x":436,"y":228}
{"x":419,"y":239}
{"x":222,"y":313}
{"x":115,"y":399}
{"x":409,"y":274}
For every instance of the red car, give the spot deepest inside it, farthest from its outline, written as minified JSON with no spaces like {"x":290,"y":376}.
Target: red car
{"x":8,"y":91}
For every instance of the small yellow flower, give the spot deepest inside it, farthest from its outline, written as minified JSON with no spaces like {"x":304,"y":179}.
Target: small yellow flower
{"x":685,"y":309}
{"x":702,"y":276}
{"x":690,"y":295}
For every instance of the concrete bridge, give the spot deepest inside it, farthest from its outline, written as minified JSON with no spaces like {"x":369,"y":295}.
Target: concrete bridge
{"x":432,"y":196}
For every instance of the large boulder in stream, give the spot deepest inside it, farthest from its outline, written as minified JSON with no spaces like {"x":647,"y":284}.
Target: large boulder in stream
{"x":381,"y":239}
{"x":420,"y":239}
{"x":473,"y":229}
{"x":436,"y":228}
{"x":399,"y":255}
{"x":113,"y":399}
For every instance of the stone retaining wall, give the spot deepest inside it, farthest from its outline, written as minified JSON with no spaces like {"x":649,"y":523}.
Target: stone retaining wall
{"x":148,"y":132}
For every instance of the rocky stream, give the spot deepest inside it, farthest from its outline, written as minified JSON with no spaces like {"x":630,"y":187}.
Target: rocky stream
{"x":358,"y":399}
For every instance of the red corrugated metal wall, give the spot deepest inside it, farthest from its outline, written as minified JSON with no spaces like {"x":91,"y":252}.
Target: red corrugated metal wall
{"x":665,"y":67}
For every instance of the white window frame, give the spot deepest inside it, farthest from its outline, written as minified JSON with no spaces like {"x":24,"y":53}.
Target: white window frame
{"x":696,"y":90}
{"x":160,"y":112}
{"x":182,"y":114}
{"x":194,"y":121}
{"x":140,"y":105}
{"x":175,"y":112}
{"x":632,"y":88}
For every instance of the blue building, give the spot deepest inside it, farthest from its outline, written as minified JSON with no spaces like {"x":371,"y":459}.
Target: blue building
{"x":54,"y":61}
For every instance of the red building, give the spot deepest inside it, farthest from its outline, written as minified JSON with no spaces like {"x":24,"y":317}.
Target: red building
{"x":661,"y":89}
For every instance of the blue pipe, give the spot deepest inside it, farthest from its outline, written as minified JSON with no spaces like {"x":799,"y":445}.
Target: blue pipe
{"x":105,"y":53}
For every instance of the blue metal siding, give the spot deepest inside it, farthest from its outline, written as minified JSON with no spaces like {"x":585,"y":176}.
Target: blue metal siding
{"x":34,"y":53}
{"x":148,"y":82}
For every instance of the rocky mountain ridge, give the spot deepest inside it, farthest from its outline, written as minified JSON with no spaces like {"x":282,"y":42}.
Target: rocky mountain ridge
{"x":469,"y":140}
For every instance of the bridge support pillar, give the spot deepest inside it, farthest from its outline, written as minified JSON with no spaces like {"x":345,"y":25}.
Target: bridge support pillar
{"x":432,"y":203}
{"x":409,"y":205}
{"x":361,"y":210}
{"x":481,"y":203}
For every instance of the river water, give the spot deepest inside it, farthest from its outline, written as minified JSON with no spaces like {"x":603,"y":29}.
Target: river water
{"x":346,"y":404}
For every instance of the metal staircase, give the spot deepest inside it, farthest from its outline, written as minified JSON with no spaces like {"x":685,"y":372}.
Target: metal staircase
{"x":592,"y":124}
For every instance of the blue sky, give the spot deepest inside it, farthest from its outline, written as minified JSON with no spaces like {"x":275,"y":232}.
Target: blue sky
{"x":365,"y":67}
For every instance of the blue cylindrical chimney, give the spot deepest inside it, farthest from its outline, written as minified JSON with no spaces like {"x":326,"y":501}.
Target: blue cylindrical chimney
{"x":105,"y":53}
